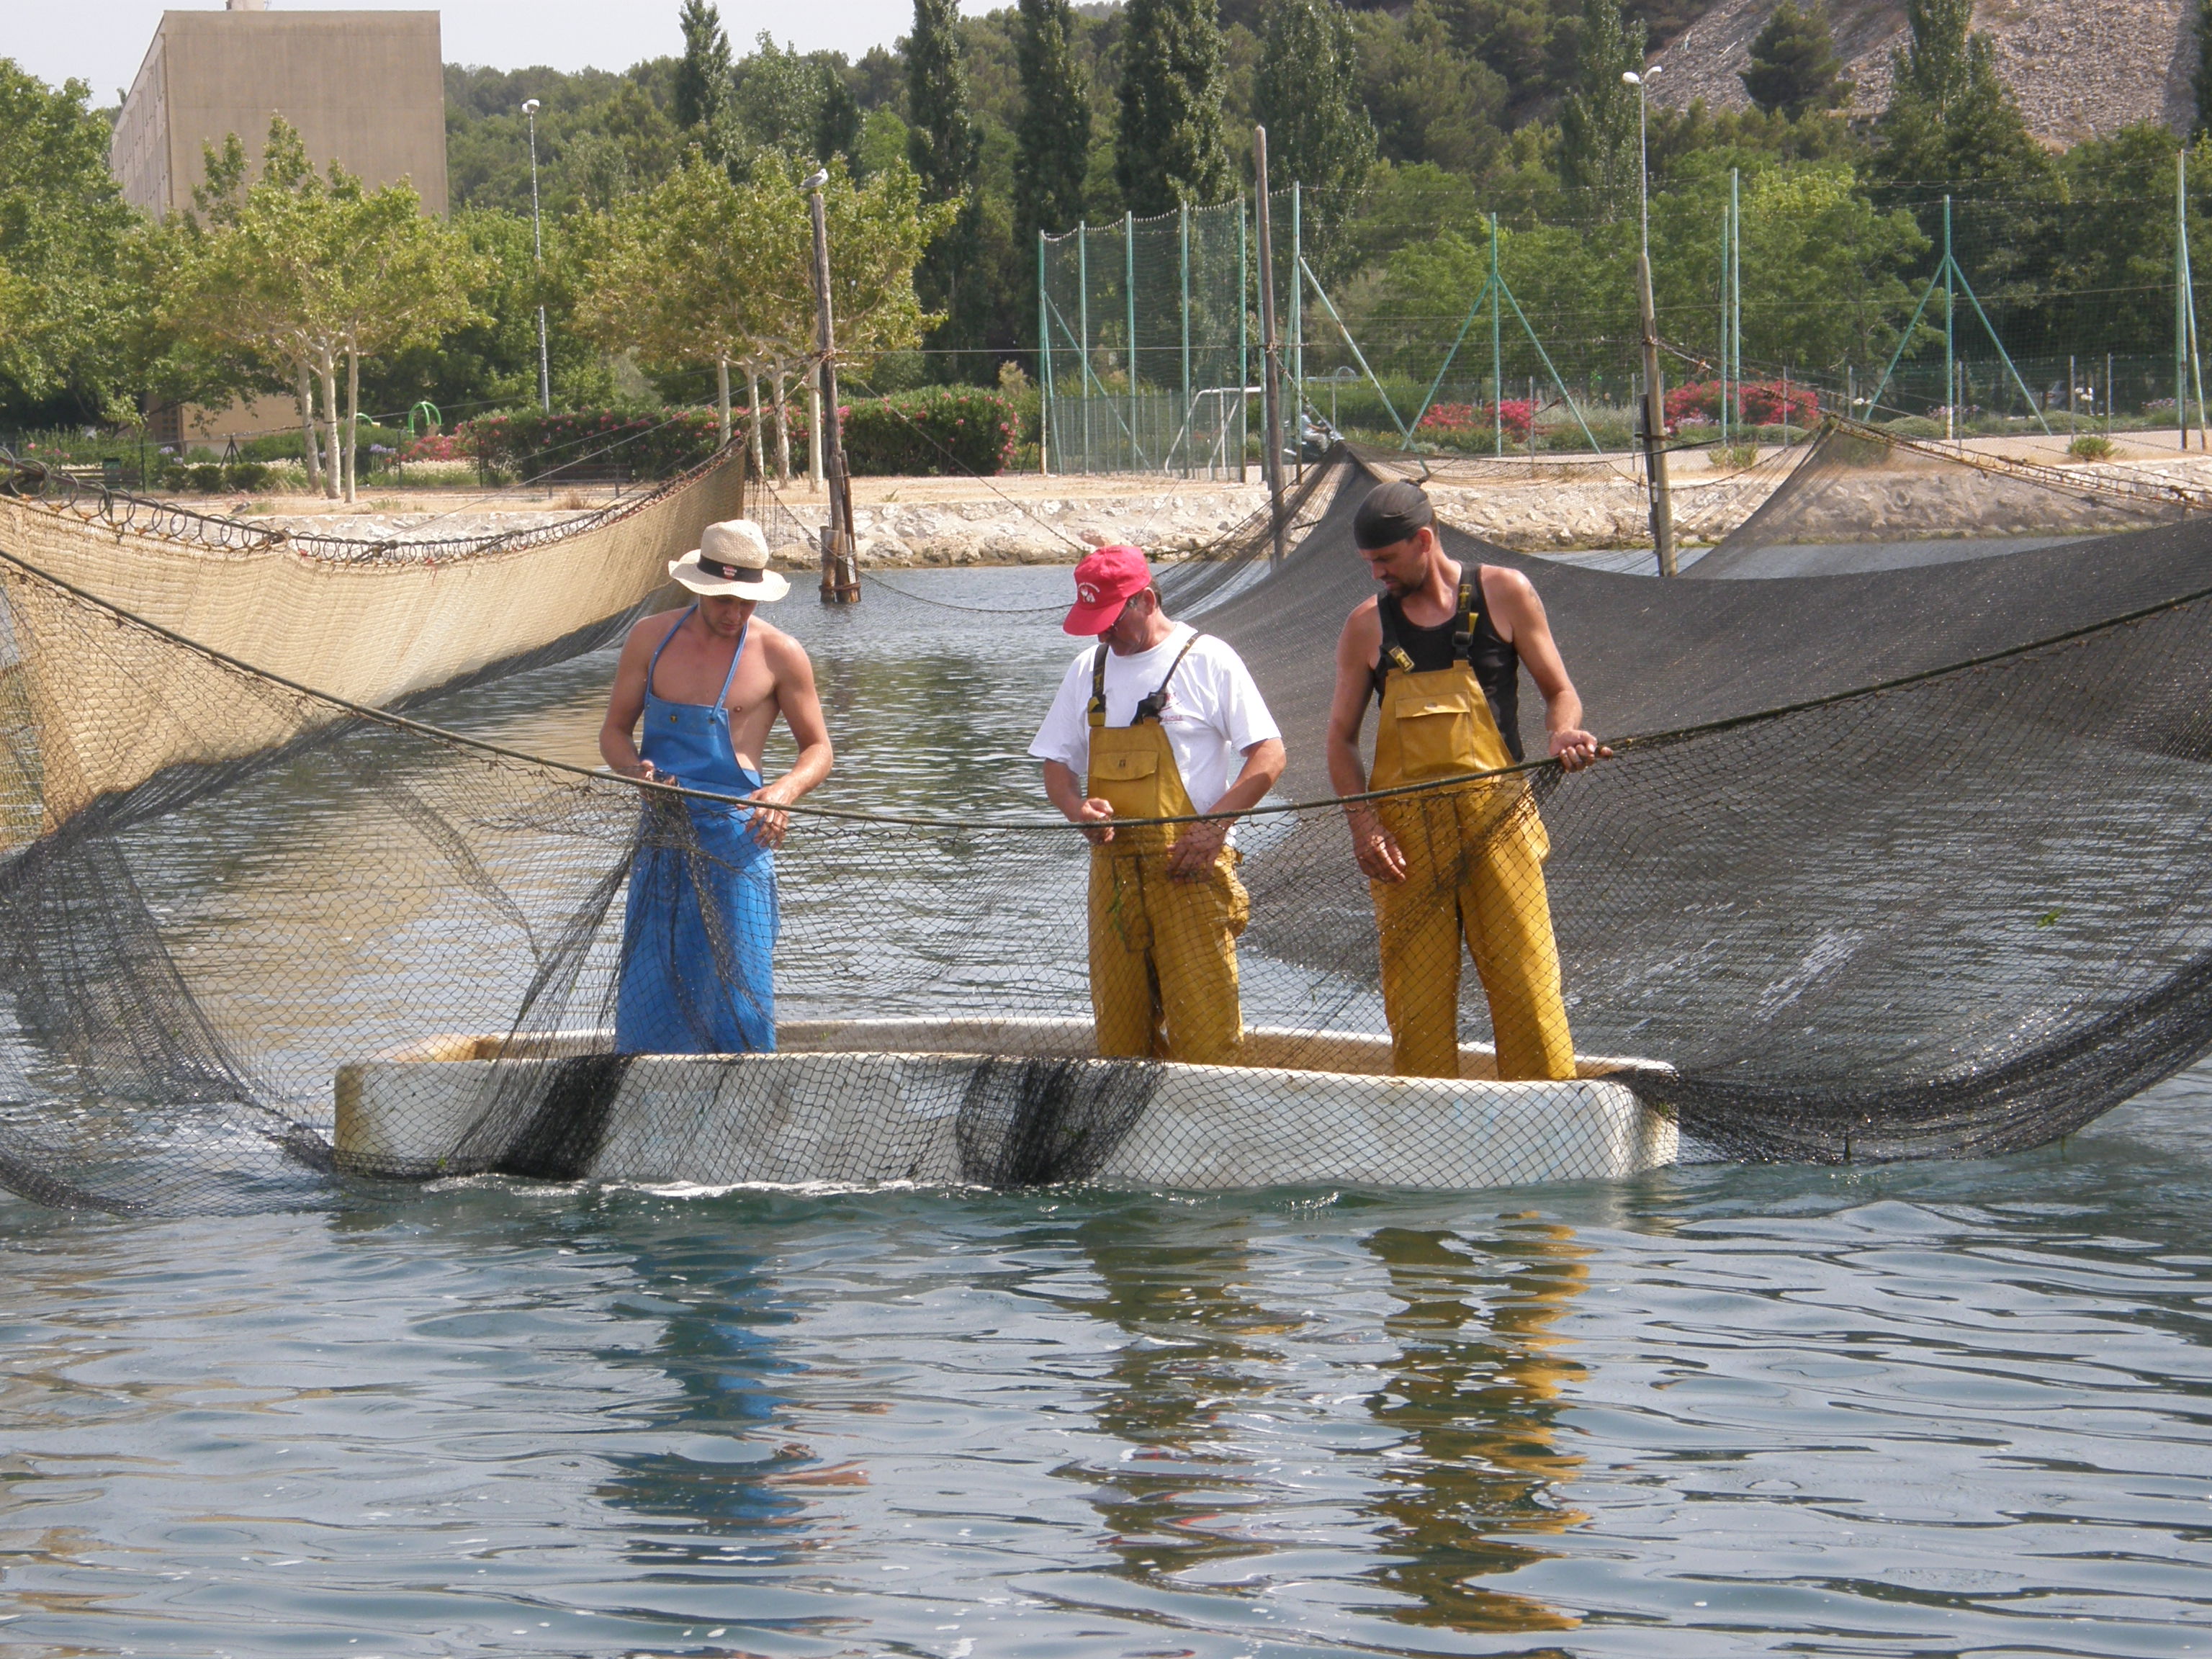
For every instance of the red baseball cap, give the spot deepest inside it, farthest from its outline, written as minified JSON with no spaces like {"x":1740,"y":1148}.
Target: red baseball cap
{"x":1105,"y":581}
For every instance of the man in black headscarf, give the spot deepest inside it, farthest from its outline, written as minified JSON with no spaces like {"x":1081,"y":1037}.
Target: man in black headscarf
{"x":1442,"y":646}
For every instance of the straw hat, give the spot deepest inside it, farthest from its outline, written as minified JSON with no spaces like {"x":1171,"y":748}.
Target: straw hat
{"x":731,"y":558}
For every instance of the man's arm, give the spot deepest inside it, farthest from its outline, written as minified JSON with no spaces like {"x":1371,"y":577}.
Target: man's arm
{"x":1517,"y":614}
{"x":802,"y":712}
{"x":1065,"y":790}
{"x":1199,"y":844}
{"x":1357,"y":648}
{"x":619,"y":731}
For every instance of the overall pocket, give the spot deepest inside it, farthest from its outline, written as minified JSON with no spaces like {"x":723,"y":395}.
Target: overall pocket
{"x":1435,"y":734}
{"x":1129,"y":779}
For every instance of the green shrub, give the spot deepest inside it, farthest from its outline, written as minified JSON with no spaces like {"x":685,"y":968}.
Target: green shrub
{"x":246,"y":475}
{"x":961,"y":430}
{"x":645,"y":444}
{"x":1915,"y":426}
{"x":2090,"y":446}
{"x":204,"y":477}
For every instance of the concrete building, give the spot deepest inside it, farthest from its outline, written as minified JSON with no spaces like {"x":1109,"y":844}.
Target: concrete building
{"x":366,"y":90}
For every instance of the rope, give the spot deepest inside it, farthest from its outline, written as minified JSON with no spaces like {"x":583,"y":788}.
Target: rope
{"x":27,"y":571}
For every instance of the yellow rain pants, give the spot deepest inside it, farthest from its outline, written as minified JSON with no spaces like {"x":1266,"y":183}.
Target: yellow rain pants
{"x":1475,"y":867}
{"x":1162,"y":952}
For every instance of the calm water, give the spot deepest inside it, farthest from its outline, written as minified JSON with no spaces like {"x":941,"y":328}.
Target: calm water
{"x":1928,"y":1410}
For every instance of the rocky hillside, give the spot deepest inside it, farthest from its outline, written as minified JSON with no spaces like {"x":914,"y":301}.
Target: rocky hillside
{"x":2079,"y":68}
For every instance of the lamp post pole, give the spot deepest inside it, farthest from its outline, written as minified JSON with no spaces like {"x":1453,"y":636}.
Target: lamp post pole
{"x":1654,"y":397}
{"x":537,"y":251}
{"x":841,"y":573}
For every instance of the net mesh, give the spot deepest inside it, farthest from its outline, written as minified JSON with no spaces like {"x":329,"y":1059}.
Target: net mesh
{"x":1912,"y":863}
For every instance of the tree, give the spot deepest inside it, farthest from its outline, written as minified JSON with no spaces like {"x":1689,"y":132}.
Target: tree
{"x":709,"y":271}
{"x":1794,"y":67}
{"x":702,"y":74}
{"x":2201,"y":86}
{"x":1597,"y":121}
{"x":1052,"y":155}
{"x":67,"y":347}
{"x":1430,"y":101}
{"x":1306,"y":93}
{"x":941,"y":138}
{"x":837,"y":123}
{"x":1951,"y":121}
{"x":298,"y":273}
{"x":1169,"y":147}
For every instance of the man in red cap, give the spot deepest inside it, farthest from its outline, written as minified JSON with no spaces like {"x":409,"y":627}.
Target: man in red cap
{"x":1157,"y":720}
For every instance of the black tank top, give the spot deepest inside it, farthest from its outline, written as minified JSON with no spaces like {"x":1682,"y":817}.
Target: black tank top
{"x":1497,"y":664}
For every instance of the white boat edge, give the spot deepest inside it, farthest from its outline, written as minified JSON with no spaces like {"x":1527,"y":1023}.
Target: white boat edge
{"x":863,"y":1101}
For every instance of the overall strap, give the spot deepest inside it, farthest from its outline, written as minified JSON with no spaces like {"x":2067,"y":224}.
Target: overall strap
{"x":723,"y":700}
{"x":652,"y":667}
{"x":1389,"y":614}
{"x":1148,"y":708}
{"x":1096,"y":713}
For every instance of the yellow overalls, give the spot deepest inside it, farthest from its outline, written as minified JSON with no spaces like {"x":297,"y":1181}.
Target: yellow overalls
{"x":1162,"y":952}
{"x":1474,"y":865}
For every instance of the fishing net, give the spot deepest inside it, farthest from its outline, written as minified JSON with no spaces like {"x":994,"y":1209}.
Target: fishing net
{"x":1912,"y":863}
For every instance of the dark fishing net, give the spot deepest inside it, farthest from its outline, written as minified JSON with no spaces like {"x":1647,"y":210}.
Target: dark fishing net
{"x":256,"y":941}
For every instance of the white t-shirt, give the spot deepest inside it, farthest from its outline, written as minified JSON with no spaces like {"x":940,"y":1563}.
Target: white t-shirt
{"x":1212,"y":711}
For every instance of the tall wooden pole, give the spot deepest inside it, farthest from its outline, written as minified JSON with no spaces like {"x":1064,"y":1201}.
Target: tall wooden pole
{"x":1270,"y":356}
{"x":1655,"y":394}
{"x":841,"y":573}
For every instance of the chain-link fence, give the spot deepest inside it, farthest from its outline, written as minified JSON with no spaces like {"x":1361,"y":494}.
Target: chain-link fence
{"x":1415,"y":317}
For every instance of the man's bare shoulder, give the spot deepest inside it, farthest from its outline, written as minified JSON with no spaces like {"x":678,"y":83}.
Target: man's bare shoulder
{"x":655,"y":628}
{"x":1503,"y":581}
{"x":1364,"y":615}
{"x":783,"y":652}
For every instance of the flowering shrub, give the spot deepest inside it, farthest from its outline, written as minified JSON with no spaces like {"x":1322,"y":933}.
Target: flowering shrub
{"x":436,"y":446}
{"x":1466,"y":423}
{"x":1763,"y":403}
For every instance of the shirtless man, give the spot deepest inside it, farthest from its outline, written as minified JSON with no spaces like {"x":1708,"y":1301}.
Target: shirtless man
{"x":1442,"y":647}
{"x":700,"y":925}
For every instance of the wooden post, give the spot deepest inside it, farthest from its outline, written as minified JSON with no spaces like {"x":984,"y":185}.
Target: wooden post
{"x":841,"y":573}
{"x":1270,"y":353}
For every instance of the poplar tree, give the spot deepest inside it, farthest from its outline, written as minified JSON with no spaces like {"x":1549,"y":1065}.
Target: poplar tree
{"x":1597,"y":120}
{"x":2202,"y":85}
{"x":1306,"y":92}
{"x":1169,"y":147}
{"x":1951,"y":121}
{"x":1052,"y":153}
{"x":941,"y":139}
{"x":1794,"y":67}
{"x":702,"y":74}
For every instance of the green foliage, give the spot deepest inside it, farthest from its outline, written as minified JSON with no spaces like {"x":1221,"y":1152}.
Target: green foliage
{"x":1306,"y":92}
{"x":600,"y":137}
{"x":1054,"y":152}
{"x":527,"y":443}
{"x":1951,"y":122}
{"x":702,"y":85}
{"x":1170,"y":145}
{"x":1597,"y":120}
{"x":2201,"y":83}
{"x":1428,"y":102}
{"x":1794,"y":67}
{"x":2090,"y":446}
{"x":942,"y":429}
{"x":72,"y":260}
{"x":941,"y":139}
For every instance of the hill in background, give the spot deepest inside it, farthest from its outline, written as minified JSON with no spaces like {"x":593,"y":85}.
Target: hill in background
{"x":2079,"y":71}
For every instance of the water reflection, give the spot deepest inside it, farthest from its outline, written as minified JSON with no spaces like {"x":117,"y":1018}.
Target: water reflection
{"x":1474,"y":1389}
{"x":1174,"y":1278}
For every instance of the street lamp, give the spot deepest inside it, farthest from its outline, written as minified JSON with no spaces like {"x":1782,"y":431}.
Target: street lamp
{"x":1654,"y":397}
{"x":529,"y":107}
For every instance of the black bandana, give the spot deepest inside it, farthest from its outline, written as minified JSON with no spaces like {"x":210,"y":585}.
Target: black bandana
{"x":1392,"y":513}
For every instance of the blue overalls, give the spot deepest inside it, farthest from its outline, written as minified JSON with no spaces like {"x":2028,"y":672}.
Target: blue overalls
{"x":699,"y":928}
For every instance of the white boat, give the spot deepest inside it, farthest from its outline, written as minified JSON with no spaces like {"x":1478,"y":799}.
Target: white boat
{"x":987,"y":1101}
